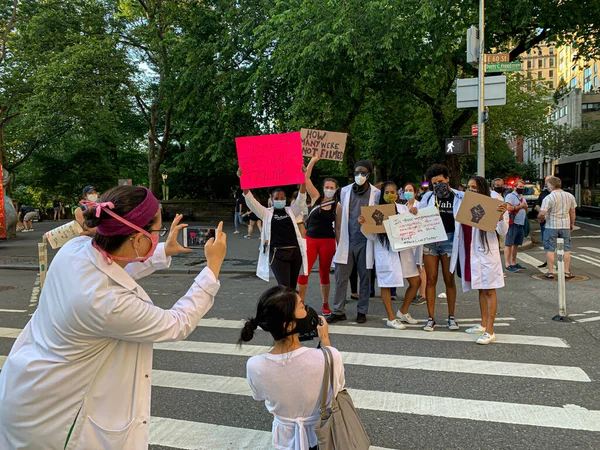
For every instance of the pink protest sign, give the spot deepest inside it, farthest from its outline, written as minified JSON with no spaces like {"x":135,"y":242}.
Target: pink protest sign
{"x":270,"y":160}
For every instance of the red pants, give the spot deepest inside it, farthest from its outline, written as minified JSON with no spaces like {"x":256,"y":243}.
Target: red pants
{"x":325,"y":249}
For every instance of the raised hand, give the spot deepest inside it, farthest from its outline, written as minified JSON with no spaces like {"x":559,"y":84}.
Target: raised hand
{"x":172,"y":247}
{"x":215,"y":250}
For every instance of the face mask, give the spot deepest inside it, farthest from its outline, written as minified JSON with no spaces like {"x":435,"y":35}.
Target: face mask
{"x":279,"y":204}
{"x":520,"y":190}
{"x":499,"y":189}
{"x":360,"y":180}
{"x":442,"y":190}
{"x":473,"y":190}
{"x":92,"y":197}
{"x":307,"y":324}
{"x":409,"y":196}
{"x":329,"y":193}
{"x":390,"y":198}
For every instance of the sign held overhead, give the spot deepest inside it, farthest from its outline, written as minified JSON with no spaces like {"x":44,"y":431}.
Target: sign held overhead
{"x":325,"y":144}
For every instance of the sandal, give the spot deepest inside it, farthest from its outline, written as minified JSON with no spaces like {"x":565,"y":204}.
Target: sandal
{"x":569,"y":275}
{"x":549,"y":275}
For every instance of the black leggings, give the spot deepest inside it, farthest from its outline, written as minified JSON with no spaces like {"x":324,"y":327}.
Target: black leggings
{"x":286,"y":265}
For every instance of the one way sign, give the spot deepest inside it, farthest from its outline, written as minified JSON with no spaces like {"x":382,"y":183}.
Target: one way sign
{"x":454,"y":146}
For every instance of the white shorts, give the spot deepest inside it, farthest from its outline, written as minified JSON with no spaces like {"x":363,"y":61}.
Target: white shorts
{"x":409,"y":266}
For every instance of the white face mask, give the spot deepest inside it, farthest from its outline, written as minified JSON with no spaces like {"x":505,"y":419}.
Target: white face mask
{"x":360,"y":180}
{"x":92,"y":197}
{"x":329,"y":193}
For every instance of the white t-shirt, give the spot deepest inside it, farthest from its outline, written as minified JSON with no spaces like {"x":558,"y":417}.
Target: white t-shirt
{"x":290,"y":385}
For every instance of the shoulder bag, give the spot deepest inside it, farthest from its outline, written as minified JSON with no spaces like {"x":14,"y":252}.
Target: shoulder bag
{"x":339,"y":427}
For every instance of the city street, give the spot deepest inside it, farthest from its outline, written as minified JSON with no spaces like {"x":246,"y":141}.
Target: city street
{"x":536,"y":387}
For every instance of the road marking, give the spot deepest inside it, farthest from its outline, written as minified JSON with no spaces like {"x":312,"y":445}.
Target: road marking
{"x":464,"y":323}
{"x":2,"y":359}
{"x":591,"y":249}
{"x":588,"y":319}
{"x":587,"y":223}
{"x":470,"y":366}
{"x":586,"y":259}
{"x":13,"y":310}
{"x":528,"y":259}
{"x":10,"y":332}
{"x":187,"y":435}
{"x":544,"y":341}
{"x":568,"y":417}
{"x":591,"y":312}
{"x":585,"y":237}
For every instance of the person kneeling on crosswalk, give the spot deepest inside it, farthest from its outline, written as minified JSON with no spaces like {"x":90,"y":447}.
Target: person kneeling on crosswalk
{"x":288,"y":378}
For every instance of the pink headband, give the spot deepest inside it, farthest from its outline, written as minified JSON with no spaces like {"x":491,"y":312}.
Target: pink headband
{"x":139,"y":216}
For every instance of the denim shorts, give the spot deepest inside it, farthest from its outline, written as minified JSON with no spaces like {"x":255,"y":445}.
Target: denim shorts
{"x":440,"y":248}
{"x":515,"y":235}
{"x":550,"y":236}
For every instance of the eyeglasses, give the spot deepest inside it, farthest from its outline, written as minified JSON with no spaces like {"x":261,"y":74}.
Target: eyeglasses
{"x":364,"y":174}
{"x":161,"y":231}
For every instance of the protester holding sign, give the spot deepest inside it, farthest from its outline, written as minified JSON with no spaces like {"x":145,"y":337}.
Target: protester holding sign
{"x":410,"y":192}
{"x":389,"y":267}
{"x":320,"y":233}
{"x":353,"y":247}
{"x":480,"y":264}
{"x":282,"y":247}
{"x":447,"y":201}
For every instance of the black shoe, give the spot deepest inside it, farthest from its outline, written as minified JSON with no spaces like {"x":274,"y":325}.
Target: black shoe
{"x":352,"y":297}
{"x":333,"y":318}
{"x":541,"y":266}
{"x":361,"y":318}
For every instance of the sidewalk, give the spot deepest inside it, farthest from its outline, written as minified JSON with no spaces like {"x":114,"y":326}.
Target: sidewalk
{"x":242,"y":254}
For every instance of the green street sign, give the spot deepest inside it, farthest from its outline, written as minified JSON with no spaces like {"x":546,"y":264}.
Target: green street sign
{"x":515,"y":66}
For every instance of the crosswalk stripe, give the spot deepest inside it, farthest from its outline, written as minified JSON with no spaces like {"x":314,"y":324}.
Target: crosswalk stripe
{"x":587,"y":223}
{"x":13,"y":310}
{"x":587,"y":259}
{"x":187,"y":435}
{"x":568,"y":417}
{"x":589,"y":319}
{"x":528,"y":259}
{"x":520,"y":339}
{"x":470,"y":366}
{"x":591,"y":249}
{"x":2,"y":359}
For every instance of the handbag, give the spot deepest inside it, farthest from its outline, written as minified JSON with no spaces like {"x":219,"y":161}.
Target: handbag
{"x":339,"y":427}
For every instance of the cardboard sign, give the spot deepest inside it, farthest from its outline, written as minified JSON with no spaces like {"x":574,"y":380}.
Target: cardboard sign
{"x":407,"y":230}
{"x":326,"y":144}
{"x":479,"y":211}
{"x":125,"y":182}
{"x":270,"y":160}
{"x":374,"y":217}
{"x":63,"y":234}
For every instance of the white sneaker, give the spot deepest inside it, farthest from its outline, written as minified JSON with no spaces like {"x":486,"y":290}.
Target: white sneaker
{"x":395,"y":324}
{"x":475,"y":330}
{"x":486,"y":338}
{"x":430,"y":325}
{"x":452,"y":323}
{"x":406,"y":318}
{"x":236,"y":232}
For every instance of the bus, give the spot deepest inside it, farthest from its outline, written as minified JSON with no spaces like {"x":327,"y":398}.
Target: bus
{"x":581,"y":174}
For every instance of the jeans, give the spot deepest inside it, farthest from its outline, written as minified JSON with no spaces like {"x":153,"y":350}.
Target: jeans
{"x":237,"y":219}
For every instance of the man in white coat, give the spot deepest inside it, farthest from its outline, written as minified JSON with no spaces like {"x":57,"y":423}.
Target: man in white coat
{"x":353,"y":246}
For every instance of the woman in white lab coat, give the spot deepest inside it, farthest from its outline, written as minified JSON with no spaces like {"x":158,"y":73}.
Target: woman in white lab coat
{"x":79,"y":376}
{"x":480,"y":264}
{"x":389,"y":265}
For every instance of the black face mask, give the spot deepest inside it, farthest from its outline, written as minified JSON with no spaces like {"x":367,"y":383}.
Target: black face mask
{"x":520,"y":190}
{"x":307,"y":324}
{"x":499,"y":189}
{"x":442,"y":190}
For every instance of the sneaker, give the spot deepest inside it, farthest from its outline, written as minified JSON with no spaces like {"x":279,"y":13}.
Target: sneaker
{"x":236,"y":232}
{"x":452,"y":323}
{"x":418,"y":300}
{"x":396,"y":324}
{"x":430,"y":325}
{"x":486,"y":338}
{"x":325,"y":309}
{"x":361,"y":318}
{"x":406,"y":318}
{"x":512,"y":269}
{"x":543,"y":265}
{"x":519,"y":266}
{"x":247,"y":237}
{"x":475,"y":330}
{"x":333,"y":318}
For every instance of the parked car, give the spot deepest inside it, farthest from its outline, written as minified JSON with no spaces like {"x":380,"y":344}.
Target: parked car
{"x":531,"y":195}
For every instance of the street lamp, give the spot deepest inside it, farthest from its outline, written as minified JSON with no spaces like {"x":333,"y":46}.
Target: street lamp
{"x":165,"y":188}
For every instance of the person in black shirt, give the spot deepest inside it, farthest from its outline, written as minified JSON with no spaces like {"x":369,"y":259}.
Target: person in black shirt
{"x":56,"y":205}
{"x":538,"y":205}
{"x":239,"y":207}
{"x":444,"y":198}
{"x":320,"y":233}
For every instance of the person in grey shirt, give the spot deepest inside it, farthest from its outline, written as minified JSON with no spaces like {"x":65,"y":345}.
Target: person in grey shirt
{"x":353,"y":247}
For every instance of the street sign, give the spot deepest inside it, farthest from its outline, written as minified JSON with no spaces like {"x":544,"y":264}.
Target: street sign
{"x":497,"y":57}
{"x":454,"y":146}
{"x":474,"y":130}
{"x":467,"y":90}
{"x":515,"y":66}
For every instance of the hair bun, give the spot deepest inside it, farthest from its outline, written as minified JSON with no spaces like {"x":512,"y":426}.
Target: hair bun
{"x":89,"y":216}
{"x":247,"y":332}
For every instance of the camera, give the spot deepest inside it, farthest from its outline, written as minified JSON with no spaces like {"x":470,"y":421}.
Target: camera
{"x":314,"y":321}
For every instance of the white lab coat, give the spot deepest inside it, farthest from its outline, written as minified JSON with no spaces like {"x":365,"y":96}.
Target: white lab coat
{"x":486,"y":266}
{"x":341,"y":254}
{"x":85,"y":357}
{"x":266,"y":215}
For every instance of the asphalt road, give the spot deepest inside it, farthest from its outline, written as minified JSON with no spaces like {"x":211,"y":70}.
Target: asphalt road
{"x":536,"y":387}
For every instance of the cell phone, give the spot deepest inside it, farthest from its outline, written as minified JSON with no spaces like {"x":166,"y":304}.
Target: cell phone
{"x":197,"y":237}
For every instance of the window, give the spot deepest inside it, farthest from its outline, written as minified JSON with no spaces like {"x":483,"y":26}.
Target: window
{"x":540,"y":75}
{"x":539,"y":52}
{"x":596,"y":82}
{"x":551,"y":85}
{"x":529,"y":64}
{"x":540,"y":63}
{"x":587,"y":86}
{"x":562,"y":64}
{"x":566,"y":110}
{"x":595,"y":66}
{"x":587,"y":72}
{"x":551,"y":74}
{"x":551,"y":49}
{"x":551,"y":62}
{"x":574,"y":68}
{"x":573,"y":82}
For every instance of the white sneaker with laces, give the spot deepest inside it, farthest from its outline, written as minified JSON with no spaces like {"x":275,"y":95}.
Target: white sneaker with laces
{"x":236,"y":232}
{"x":475,"y":330}
{"x":406,"y":318}
{"x":486,"y":338}
{"x":430,"y":325}
{"x":395,"y":324}
{"x":452,"y":323}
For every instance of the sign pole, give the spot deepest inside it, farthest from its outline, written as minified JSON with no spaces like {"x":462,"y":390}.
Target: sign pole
{"x":481,"y":103}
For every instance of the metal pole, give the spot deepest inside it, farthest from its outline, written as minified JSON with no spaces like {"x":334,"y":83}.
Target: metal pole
{"x":481,"y":103}
{"x":562,"y":293}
